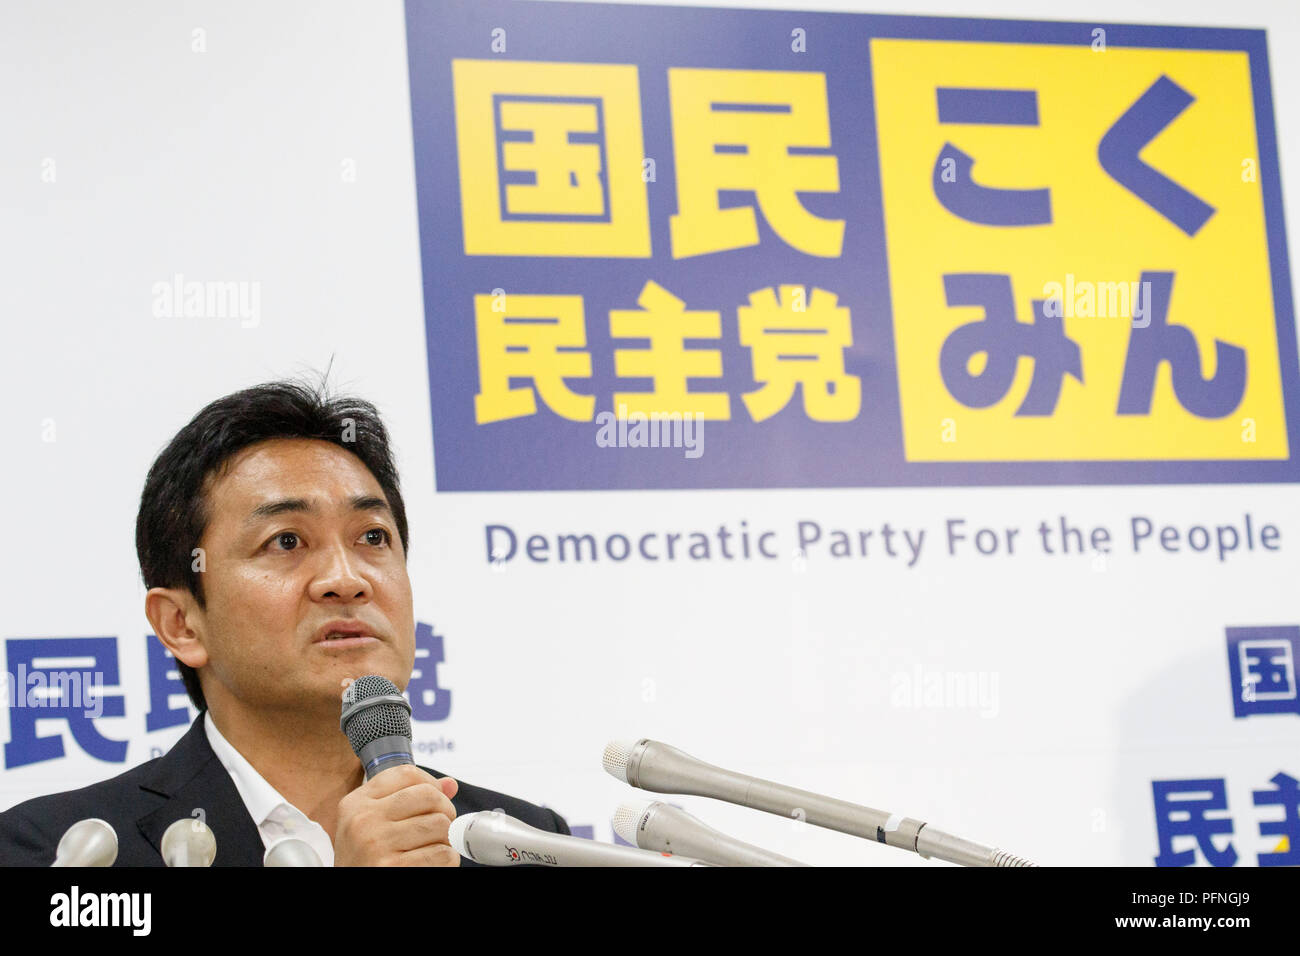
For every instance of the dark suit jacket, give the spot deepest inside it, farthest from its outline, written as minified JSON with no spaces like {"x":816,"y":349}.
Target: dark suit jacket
{"x":142,"y":803}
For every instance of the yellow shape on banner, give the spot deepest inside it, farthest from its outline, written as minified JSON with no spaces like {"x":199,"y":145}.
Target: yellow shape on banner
{"x":665,"y":322}
{"x":1100,"y":240}
{"x":567,"y":175}
{"x":536,"y":337}
{"x":798,"y":342}
{"x":733,"y":129}
{"x":574,"y":129}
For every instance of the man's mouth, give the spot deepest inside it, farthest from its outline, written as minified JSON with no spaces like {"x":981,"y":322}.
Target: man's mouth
{"x":337,"y":640}
{"x":344,"y":634}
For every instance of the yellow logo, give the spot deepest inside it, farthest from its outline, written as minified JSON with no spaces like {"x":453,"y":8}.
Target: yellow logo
{"x":1078,"y":258}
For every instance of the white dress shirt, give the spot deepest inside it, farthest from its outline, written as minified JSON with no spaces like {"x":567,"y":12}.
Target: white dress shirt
{"x":275,"y":816}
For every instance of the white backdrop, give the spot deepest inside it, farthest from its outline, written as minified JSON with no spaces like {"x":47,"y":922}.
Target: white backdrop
{"x":1097,"y":677}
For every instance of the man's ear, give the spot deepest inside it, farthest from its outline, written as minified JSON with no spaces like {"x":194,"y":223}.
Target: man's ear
{"x":173,"y":612}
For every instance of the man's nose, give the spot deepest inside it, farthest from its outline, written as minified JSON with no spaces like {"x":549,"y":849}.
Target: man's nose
{"x":340,"y":576}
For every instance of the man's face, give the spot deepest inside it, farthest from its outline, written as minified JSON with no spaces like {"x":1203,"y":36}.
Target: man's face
{"x":300,"y":536}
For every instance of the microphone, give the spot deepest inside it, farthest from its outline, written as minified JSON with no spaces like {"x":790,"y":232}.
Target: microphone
{"x":494,"y":839}
{"x":653,"y":825}
{"x":189,"y":842}
{"x":91,"y":842}
{"x":377,"y":720}
{"x":650,"y":765}
{"x":290,"y":851}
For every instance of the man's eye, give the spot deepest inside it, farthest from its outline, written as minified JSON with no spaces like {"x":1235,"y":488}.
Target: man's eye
{"x":287,"y":541}
{"x":384,"y":537}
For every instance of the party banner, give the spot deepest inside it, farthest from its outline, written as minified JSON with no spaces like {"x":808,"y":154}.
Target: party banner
{"x":841,"y":250}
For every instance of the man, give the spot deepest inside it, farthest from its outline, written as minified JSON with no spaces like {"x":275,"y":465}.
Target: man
{"x":272,"y":537}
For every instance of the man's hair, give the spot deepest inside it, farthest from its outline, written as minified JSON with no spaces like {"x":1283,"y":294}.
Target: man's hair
{"x":174,"y":510}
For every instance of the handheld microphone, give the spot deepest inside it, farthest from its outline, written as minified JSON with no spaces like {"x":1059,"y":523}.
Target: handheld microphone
{"x":650,"y":765}
{"x":91,"y":842}
{"x":653,"y":825}
{"x":188,"y":842}
{"x":495,"y":839}
{"x":377,"y":720}
{"x":290,"y":851}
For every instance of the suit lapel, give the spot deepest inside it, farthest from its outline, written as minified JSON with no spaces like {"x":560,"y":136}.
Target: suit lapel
{"x":197,"y":786}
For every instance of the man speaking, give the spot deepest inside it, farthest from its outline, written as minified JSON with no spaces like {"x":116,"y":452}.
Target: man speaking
{"x":272,"y":539}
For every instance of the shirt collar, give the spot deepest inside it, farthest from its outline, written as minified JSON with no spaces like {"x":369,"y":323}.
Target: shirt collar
{"x":259,"y":797}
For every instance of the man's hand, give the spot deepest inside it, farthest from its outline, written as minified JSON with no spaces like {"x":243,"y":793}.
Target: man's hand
{"x":397,"y":818}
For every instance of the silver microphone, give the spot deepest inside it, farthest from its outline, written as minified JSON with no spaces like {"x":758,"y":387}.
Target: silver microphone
{"x":650,"y":765}
{"x":653,"y":825}
{"x":495,"y":839}
{"x":377,"y":721}
{"x":91,"y":842}
{"x":290,"y":851}
{"x":188,"y":842}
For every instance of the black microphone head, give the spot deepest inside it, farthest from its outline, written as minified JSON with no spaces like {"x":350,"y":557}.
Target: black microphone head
{"x":373,"y":708}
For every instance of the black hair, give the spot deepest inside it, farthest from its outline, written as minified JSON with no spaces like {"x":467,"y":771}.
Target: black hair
{"x":174,"y":511}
